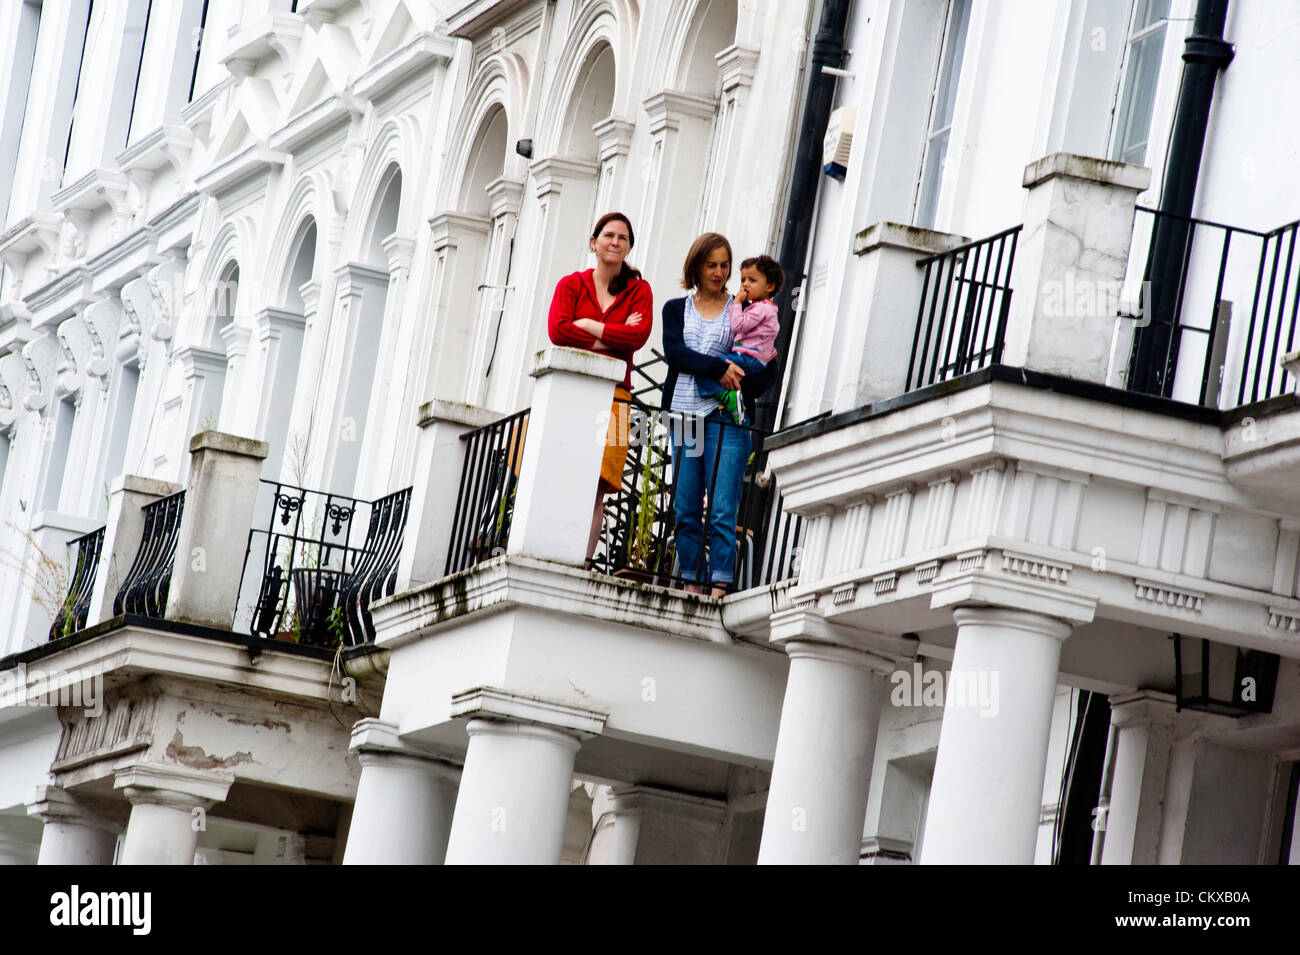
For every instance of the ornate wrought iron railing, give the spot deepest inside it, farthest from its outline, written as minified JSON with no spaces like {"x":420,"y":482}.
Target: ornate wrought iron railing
{"x":1193,"y":335}
{"x":316,"y":561}
{"x":485,"y":500}
{"x":961,"y":321}
{"x":144,"y":591}
{"x":72,"y":613}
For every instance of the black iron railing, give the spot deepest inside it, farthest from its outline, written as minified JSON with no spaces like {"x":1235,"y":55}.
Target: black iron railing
{"x":72,"y":613}
{"x":1218,"y":308}
{"x":144,"y":591}
{"x":639,"y":534}
{"x":485,"y":500}
{"x":316,"y":561}
{"x":961,"y":321}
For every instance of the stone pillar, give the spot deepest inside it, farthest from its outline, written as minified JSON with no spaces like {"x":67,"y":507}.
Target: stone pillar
{"x":440,"y":456}
{"x":213,"y":536}
{"x":821,"y":772}
{"x":405,"y":799}
{"x":562,"y":453}
{"x":514,"y":792}
{"x":73,"y":835}
{"x":877,"y":337}
{"x":644,"y":826}
{"x":124,"y":528}
{"x":987,"y":792}
{"x":459,"y":244}
{"x":164,"y":800}
{"x":1071,"y":257}
{"x":1145,"y":725}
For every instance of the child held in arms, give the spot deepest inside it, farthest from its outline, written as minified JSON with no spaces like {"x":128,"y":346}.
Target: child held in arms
{"x":754,"y":326}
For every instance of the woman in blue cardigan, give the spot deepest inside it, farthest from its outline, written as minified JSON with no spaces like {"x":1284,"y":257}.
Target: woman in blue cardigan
{"x":710,"y":451}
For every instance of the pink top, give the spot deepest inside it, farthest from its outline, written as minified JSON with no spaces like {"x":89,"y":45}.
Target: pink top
{"x":753,"y":327}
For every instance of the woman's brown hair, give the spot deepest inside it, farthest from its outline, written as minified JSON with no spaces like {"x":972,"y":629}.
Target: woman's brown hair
{"x":626,"y":274}
{"x":701,"y":249}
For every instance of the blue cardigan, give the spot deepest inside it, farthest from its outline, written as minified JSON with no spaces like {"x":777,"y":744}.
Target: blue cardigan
{"x":682,"y":360}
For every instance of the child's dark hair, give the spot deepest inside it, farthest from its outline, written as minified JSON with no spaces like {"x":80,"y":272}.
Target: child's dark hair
{"x":626,"y":274}
{"x":769,"y":268}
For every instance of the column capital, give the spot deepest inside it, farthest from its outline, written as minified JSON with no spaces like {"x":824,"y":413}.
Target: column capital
{"x":809,"y":630}
{"x":613,"y":137}
{"x":484,"y":704}
{"x":504,"y":196}
{"x":1144,"y":706}
{"x":310,"y":293}
{"x":981,"y":588}
{"x":737,"y":65}
{"x":173,"y":786}
{"x":550,"y":174}
{"x":451,"y":228}
{"x":668,"y":108}
{"x":375,"y":741}
{"x":56,"y":804}
{"x":400,"y":250}
{"x":632,"y":798}
{"x":1032,"y":622}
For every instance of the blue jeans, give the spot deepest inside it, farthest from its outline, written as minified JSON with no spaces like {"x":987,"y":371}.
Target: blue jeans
{"x":748,"y":364}
{"x":709,"y":453}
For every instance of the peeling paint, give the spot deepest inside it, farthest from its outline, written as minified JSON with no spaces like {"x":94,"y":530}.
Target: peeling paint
{"x":266,"y":723}
{"x":195,"y":758}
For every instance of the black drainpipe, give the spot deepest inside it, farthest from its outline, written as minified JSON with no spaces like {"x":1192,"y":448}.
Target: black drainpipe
{"x":805,"y":177}
{"x":1205,"y":53}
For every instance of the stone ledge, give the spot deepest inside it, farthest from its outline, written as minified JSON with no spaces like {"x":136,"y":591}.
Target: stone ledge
{"x":910,"y":238}
{"x":143,"y":485}
{"x":229,"y":443}
{"x":455,"y":412}
{"x":1088,"y":168}
{"x":577,"y":361}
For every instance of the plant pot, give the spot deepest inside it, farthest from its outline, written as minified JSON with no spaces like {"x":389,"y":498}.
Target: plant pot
{"x":638,"y":574}
{"x":286,"y":636}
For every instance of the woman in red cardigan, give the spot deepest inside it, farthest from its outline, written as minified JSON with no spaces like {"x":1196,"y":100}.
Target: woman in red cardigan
{"x":607,"y":309}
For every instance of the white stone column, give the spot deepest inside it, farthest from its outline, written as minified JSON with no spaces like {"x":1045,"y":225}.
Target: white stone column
{"x":1078,"y":224}
{"x":514,"y":792}
{"x":562,"y":453}
{"x":875,"y":340}
{"x":213,"y":536}
{"x":821,"y":773}
{"x":73,"y":835}
{"x":645,"y":826}
{"x":1132,"y":825}
{"x":459,"y":244}
{"x":123,"y":530}
{"x":440,"y":457}
{"x":405,"y":799}
{"x":164,"y":827}
{"x":988,"y":778}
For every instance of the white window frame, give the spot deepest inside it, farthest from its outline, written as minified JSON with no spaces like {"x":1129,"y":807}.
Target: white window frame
{"x":952,"y":50}
{"x":1126,"y":92}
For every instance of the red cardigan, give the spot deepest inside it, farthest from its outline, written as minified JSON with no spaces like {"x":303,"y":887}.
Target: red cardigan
{"x":575,"y":297}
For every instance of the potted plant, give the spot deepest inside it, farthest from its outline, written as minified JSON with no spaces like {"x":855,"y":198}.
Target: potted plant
{"x":645,"y":557}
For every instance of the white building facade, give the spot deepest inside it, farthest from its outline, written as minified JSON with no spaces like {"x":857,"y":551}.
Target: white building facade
{"x":274,"y":285}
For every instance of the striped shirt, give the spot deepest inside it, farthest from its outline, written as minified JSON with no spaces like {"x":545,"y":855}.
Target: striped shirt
{"x":708,"y":337}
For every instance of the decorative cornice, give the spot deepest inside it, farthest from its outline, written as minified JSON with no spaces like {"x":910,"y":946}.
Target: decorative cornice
{"x":1175,"y":597}
{"x":254,"y":161}
{"x":274,"y":34}
{"x":613,"y":137}
{"x":737,"y":65}
{"x":422,"y":52}
{"x":1027,"y":565}
{"x":505,"y":196}
{"x":165,"y":146}
{"x":446,"y":228}
{"x":550,"y":174}
{"x":1288,"y":620}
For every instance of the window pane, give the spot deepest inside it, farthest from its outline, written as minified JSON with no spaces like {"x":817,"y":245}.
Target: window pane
{"x":1149,"y":12}
{"x":928,"y":204}
{"x":1134,"y":126}
{"x":945,"y":93}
